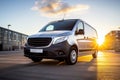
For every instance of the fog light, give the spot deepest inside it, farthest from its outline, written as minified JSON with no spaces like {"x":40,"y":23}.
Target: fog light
{"x":61,"y":53}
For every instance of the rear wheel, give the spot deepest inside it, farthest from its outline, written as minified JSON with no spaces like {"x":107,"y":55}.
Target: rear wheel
{"x":36,"y":59}
{"x":94,"y":55}
{"x":72,"y":57}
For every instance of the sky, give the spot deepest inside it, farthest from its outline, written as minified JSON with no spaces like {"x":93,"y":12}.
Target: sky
{"x":29,"y":16}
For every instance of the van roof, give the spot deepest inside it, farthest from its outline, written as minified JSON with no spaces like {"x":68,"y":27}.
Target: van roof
{"x":68,"y":20}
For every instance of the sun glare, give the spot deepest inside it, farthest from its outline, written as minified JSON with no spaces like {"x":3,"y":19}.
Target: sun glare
{"x":100,"y":41}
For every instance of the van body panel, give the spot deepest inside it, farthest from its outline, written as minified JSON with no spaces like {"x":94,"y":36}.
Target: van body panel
{"x":58,"y":38}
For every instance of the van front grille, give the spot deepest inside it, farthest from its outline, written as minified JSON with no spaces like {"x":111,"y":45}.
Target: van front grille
{"x":39,"y":42}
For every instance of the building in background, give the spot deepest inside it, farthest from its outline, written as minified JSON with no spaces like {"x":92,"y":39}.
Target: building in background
{"x":112,"y":40}
{"x":11,"y":40}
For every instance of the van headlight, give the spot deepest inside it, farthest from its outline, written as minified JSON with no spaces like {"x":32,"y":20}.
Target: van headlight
{"x":59,"y":39}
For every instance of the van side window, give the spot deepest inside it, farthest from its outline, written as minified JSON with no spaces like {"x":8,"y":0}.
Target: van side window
{"x":90,"y":32}
{"x":80,"y":28}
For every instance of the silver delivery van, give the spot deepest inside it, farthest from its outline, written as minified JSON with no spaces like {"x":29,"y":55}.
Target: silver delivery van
{"x":62,"y":40}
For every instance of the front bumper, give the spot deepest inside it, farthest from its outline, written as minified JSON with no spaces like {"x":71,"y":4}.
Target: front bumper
{"x":60,"y":50}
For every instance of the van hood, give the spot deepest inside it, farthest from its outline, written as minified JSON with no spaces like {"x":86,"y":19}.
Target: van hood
{"x":51,"y":34}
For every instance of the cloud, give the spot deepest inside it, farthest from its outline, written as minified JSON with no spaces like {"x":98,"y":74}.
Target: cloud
{"x":56,"y":7}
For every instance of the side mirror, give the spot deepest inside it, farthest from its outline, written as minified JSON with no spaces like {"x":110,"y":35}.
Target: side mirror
{"x":80,"y":31}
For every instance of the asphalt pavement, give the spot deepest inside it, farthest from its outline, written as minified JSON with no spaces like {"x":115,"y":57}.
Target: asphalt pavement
{"x":14,"y":66}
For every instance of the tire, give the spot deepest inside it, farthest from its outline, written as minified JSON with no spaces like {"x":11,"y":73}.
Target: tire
{"x":72,"y":57}
{"x":94,"y":55}
{"x":36,"y":59}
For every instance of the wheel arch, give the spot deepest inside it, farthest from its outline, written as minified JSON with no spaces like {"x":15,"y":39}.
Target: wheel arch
{"x":75,"y":46}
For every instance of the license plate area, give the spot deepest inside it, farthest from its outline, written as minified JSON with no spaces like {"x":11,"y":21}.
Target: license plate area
{"x":36,"y":50}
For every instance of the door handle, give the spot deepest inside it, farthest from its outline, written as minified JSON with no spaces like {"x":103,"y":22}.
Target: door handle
{"x":85,"y":37}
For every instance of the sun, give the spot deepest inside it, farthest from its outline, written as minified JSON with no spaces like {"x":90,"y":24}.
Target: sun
{"x":100,"y":41}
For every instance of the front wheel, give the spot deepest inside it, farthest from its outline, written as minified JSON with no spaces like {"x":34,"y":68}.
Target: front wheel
{"x":72,"y":57}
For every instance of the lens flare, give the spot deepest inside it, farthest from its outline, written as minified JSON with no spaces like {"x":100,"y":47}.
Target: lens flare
{"x":100,"y":41}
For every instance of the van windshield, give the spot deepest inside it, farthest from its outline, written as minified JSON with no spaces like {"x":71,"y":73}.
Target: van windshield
{"x":60,"y":25}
